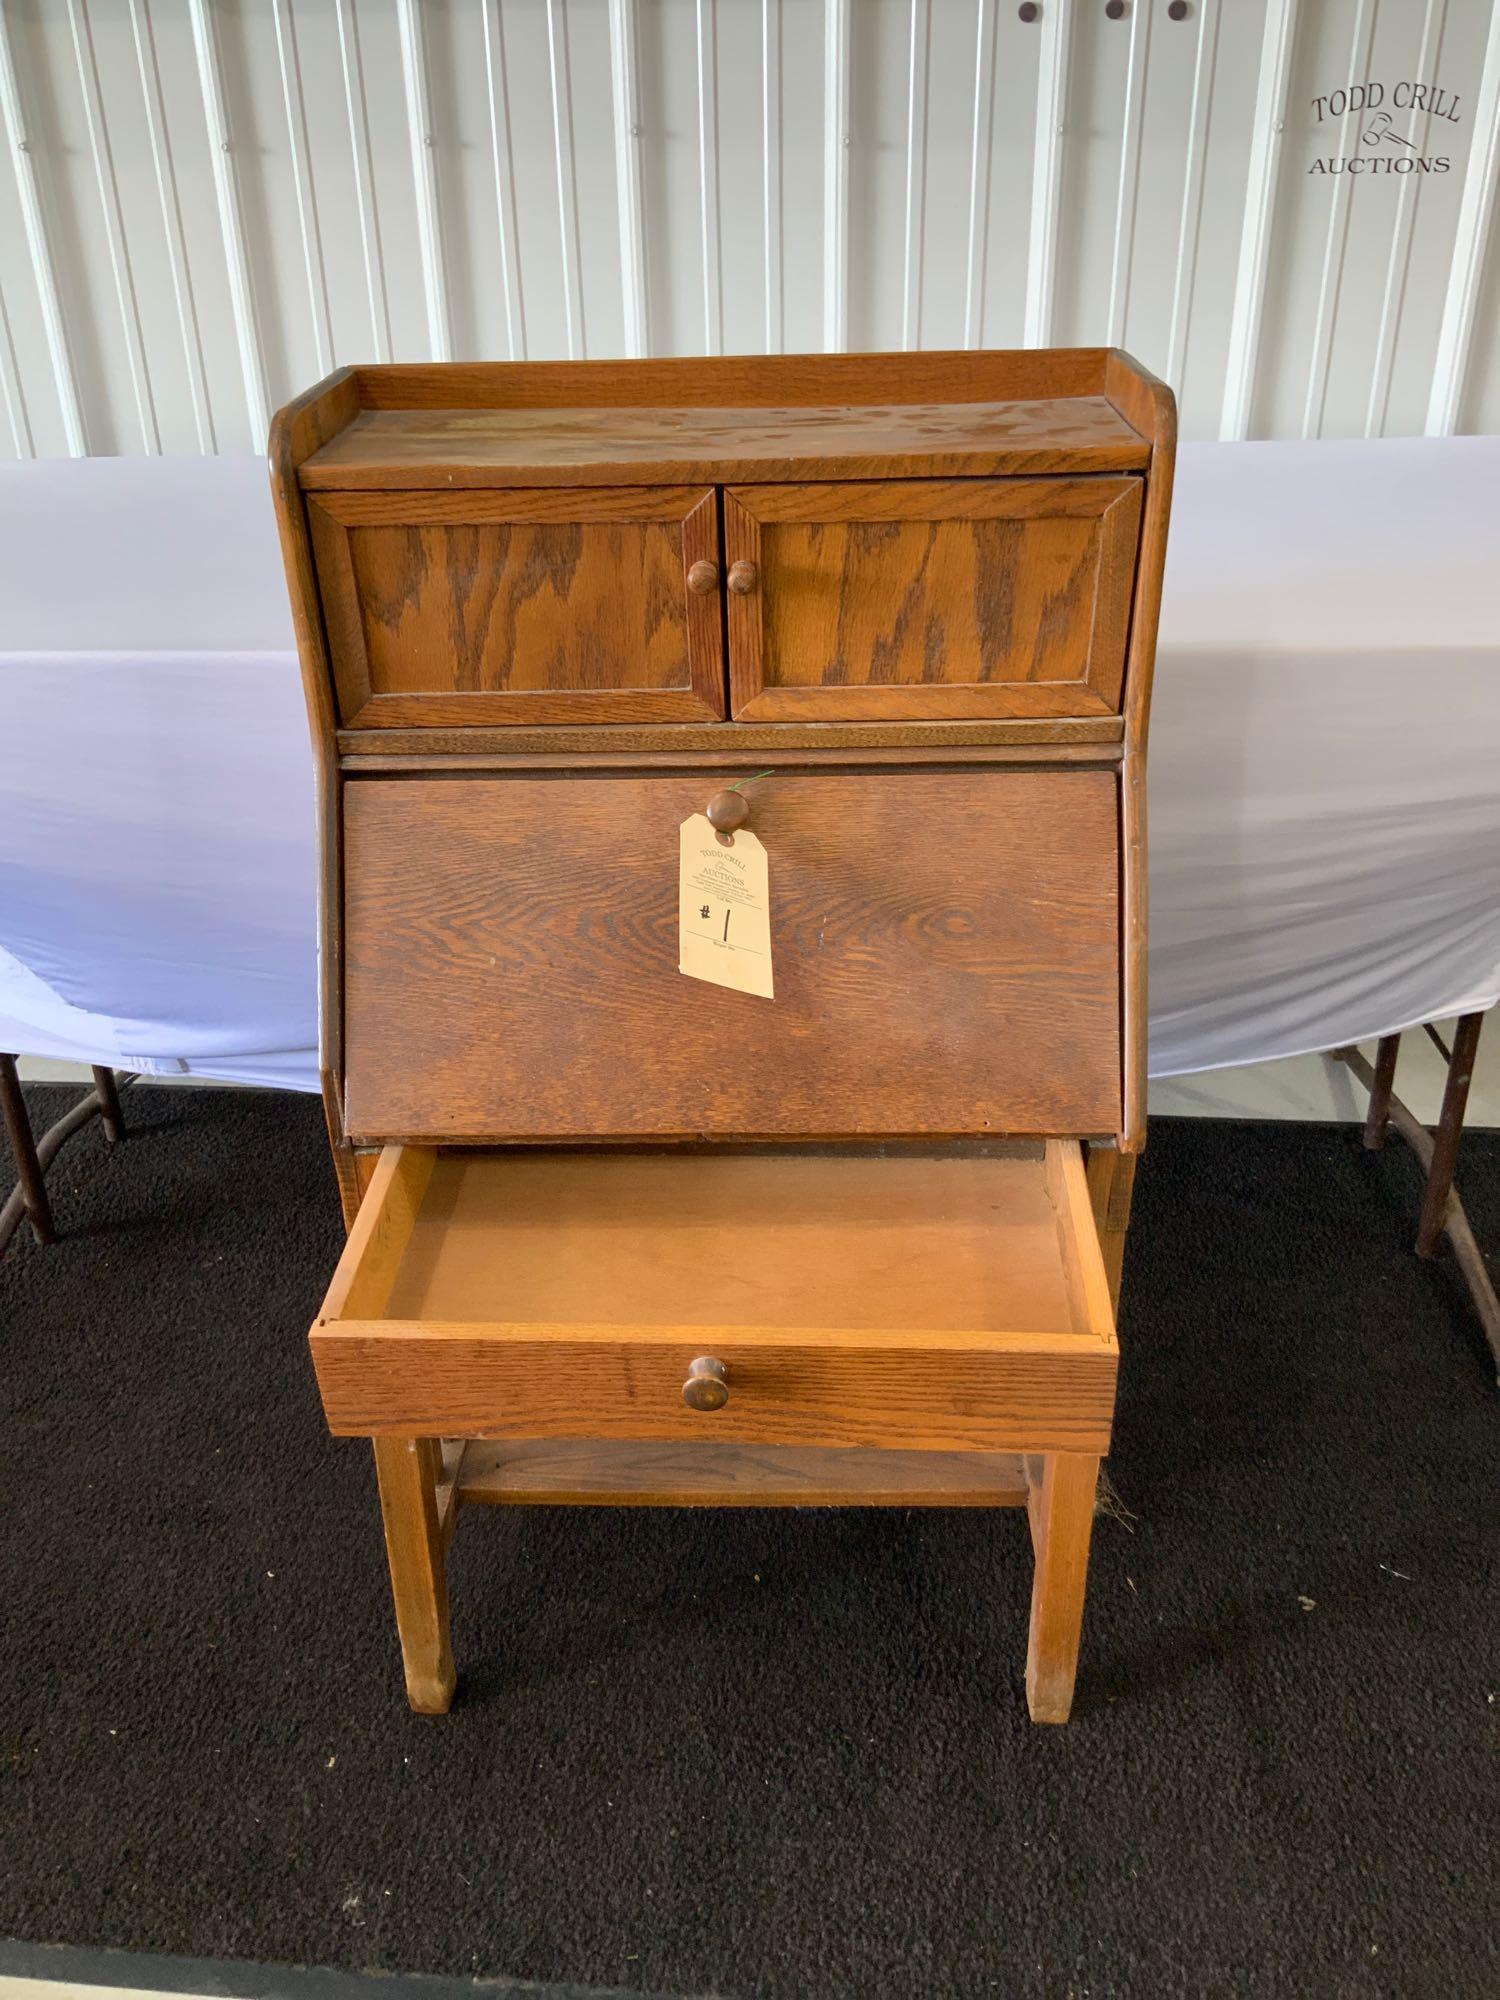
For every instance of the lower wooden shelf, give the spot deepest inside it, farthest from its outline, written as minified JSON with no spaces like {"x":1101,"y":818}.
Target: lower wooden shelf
{"x":585,"y":1472}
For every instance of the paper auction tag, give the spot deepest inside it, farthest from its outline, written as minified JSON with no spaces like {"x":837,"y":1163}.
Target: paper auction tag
{"x":724,"y":909}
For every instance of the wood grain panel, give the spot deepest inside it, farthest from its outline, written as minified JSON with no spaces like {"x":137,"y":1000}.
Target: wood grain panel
{"x":555,"y":606}
{"x":943,"y":599}
{"x":581,"y":1472}
{"x":476,"y":448}
{"x":735,"y":381}
{"x":729,"y":740}
{"x":946,"y":959}
{"x":736,"y":762}
{"x":920,"y":1392}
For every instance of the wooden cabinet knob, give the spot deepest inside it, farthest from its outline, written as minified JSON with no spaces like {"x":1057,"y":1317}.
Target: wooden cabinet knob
{"x":742,"y":578}
{"x":728,"y":811}
{"x":707,"y":1384}
{"x":703,"y":577}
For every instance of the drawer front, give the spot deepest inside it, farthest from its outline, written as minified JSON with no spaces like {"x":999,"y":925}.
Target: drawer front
{"x":930,"y":598}
{"x":922,"y":1393}
{"x":945,"y":949}
{"x":449,"y":609}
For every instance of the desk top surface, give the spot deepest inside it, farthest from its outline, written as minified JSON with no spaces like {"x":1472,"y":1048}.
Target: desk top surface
{"x":476,"y":447}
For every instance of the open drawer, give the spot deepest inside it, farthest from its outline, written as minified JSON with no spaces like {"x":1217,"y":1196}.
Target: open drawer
{"x":921,"y":1300}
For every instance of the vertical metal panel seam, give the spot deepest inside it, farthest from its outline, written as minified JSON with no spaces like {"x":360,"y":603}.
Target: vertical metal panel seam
{"x":1398,"y":266}
{"x":13,"y":390}
{"x":497,"y":89}
{"x":837,"y":139}
{"x":1200,"y":114}
{"x":295,"y":106}
{"x":560,"y":77}
{"x":1336,"y":240}
{"x":424,"y":177}
{"x":371,"y":248}
{"x":707,"y":46}
{"x":919,"y":28}
{"x":112,"y":215}
{"x":1262,"y":172}
{"x":981,"y":161}
{"x":165,"y":171}
{"x":1127,"y":200}
{"x":231,"y":221}
{"x":1476,"y":212}
{"x":1046,"y":173}
{"x":39,"y":248}
{"x":772,"y":241}
{"x":625,"y":92}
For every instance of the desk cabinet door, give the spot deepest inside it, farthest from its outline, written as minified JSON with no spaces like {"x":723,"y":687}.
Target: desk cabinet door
{"x":447,"y":609}
{"x":930,"y":599}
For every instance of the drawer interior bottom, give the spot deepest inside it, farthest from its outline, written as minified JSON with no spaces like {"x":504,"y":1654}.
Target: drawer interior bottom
{"x":753,"y":1240}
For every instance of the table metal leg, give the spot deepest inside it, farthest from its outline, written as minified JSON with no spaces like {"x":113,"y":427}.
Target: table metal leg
{"x":110,"y":1115}
{"x":1442,"y":1211}
{"x":33,"y":1185}
{"x":1449,"y":1131}
{"x":1386,"y":1052}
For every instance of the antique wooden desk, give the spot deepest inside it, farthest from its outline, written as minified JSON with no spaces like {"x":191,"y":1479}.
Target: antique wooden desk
{"x":622,"y":1236}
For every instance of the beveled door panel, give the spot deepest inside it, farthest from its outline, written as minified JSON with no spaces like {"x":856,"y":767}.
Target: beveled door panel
{"x":549,"y":606}
{"x":930,"y":599}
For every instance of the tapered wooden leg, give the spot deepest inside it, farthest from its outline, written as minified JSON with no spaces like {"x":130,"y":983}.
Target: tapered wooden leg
{"x":408,"y":1469}
{"x":1061,"y":1511}
{"x":1111,"y":1185}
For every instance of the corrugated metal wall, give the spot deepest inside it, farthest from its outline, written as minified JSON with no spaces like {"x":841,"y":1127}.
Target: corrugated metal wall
{"x":211,"y":202}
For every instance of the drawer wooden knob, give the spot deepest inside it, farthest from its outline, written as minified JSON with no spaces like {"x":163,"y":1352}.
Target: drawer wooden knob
{"x":742,"y":578}
{"x":707,"y":1384}
{"x":703,"y":577}
{"x":728,"y":811}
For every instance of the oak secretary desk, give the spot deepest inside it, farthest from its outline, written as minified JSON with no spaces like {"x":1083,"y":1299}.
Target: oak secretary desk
{"x":623,"y":1236}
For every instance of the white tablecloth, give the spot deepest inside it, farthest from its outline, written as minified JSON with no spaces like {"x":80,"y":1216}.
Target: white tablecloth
{"x":1325,"y":760}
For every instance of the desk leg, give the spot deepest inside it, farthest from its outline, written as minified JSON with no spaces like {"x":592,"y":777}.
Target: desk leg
{"x":1111,"y":1175}
{"x":408,"y":1469}
{"x":1060,"y":1508}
